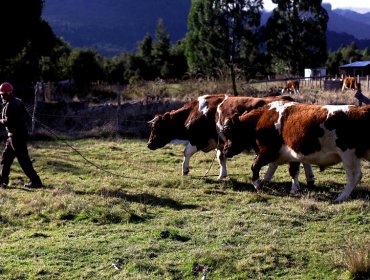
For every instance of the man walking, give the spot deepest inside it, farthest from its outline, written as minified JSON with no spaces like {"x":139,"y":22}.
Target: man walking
{"x":14,"y":117}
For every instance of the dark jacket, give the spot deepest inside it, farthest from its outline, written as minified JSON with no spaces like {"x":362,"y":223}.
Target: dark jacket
{"x":15,"y":118}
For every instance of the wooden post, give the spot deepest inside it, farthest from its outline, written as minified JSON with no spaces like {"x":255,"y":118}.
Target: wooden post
{"x":38,"y":88}
{"x":120,"y":88}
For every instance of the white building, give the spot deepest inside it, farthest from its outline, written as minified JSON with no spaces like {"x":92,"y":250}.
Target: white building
{"x":310,"y":73}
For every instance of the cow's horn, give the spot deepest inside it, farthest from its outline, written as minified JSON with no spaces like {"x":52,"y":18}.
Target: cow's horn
{"x":154,"y":120}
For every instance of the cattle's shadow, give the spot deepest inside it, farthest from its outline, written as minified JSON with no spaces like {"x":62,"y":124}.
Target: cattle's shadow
{"x":227,"y":183}
{"x":240,"y":186}
{"x":328,"y":191}
{"x":143,"y":198}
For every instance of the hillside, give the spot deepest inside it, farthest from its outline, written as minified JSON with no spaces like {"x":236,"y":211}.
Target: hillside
{"x":115,"y":26}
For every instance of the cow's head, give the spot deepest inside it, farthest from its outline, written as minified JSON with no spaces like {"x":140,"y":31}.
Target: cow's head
{"x":233,"y":133}
{"x":160,"y":131}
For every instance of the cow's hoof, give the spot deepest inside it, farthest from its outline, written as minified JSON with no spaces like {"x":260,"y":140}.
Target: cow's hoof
{"x":221,"y":177}
{"x":185,"y":172}
{"x":293,"y":192}
{"x":258,"y":184}
{"x":342,"y":197}
{"x":310,"y":184}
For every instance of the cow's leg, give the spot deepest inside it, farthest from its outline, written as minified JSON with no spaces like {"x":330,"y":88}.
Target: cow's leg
{"x":221,"y":158}
{"x":270,"y":172}
{"x":294,"y":174}
{"x":188,"y":152}
{"x":310,"y":177}
{"x":352,"y":165}
{"x":262,"y":159}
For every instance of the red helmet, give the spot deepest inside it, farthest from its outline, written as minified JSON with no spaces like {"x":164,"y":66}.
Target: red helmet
{"x":6,"y":87}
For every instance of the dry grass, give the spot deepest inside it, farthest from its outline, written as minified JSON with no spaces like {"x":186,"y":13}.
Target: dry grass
{"x":357,"y":261}
{"x":310,"y":92}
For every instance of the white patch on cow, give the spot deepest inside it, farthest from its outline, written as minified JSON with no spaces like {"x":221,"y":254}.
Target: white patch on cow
{"x":203,"y":105}
{"x":188,"y":152}
{"x":287,"y":154}
{"x":219,"y":125}
{"x":327,"y":156}
{"x":280,"y":107}
{"x":336,"y":108}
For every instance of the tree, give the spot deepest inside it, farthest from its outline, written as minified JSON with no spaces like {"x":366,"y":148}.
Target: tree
{"x":145,"y":49}
{"x":178,"y":63}
{"x":296,"y":34}
{"x":161,"y":51}
{"x":20,"y":19}
{"x":146,"y":53}
{"x":335,"y":59}
{"x":114,"y":69}
{"x":25,"y":37}
{"x":218,"y":30}
{"x":85,"y":66}
{"x":53,"y":66}
{"x":351,"y":53}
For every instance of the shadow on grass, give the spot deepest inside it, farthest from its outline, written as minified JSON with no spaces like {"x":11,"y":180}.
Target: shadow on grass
{"x":62,"y":166}
{"x":143,"y":198}
{"x":328,"y":191}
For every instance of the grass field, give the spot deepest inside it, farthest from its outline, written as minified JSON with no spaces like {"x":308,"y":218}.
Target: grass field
{"x":152,"y":223}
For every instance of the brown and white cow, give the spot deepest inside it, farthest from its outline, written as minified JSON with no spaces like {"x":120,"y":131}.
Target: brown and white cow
{"x":291,"y":86}
{"x":349,"y":83}
{"x":195,"y":122}
{"x":322,"y":135}
{"x":239,"y":105}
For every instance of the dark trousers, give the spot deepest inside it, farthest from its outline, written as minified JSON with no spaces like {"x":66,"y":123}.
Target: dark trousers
{"x":16,"y":147}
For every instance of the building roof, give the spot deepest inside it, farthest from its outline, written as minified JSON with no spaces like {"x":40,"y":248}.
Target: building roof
{"x":358,"y":64}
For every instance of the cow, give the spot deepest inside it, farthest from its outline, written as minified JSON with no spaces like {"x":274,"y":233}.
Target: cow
{"x":291,"y":86}
{"x":195,"y":122}
{"x":239,"y":105}
{"x":349,"y":83}
{"x":290,"y":132}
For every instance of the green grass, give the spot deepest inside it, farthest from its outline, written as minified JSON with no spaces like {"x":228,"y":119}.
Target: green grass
{"x":153,"y":223}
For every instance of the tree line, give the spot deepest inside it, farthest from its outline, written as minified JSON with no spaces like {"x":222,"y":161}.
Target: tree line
{"x":225,"y":38}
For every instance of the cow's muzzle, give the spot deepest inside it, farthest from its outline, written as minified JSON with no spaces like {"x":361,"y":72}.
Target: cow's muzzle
{"x":151,"y":146}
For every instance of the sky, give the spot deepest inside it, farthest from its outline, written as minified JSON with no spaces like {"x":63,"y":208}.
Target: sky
{"x":360,"y":6}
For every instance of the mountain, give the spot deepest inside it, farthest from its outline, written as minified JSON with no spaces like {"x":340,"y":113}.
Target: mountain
{"x":116,"y":26}
{"x":350,"y":22}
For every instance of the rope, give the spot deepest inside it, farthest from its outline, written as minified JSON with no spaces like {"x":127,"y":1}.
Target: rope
{"x":81,"y":155}
{"x":218,"y":142}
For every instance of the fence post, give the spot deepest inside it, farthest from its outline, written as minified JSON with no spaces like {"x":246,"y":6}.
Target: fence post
{"x":38,"y":88}
{"x":119,"y":93}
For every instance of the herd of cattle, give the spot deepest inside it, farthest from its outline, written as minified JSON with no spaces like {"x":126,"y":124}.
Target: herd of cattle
{"x":278,"y":129}
{"x":292,"y":86}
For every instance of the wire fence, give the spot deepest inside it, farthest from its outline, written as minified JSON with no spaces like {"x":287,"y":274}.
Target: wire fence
{"x":81,"y":119}
{"x":68,"y":120}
